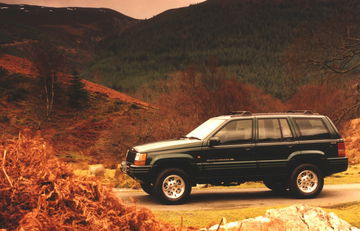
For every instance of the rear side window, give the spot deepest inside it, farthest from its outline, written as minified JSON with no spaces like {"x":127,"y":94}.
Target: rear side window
{"x":274,"y":129}
{"x":269,"y":129}
{"x":312,"y":128}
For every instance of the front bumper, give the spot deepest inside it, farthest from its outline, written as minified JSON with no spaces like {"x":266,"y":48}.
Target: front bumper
{"x":141,"y":173}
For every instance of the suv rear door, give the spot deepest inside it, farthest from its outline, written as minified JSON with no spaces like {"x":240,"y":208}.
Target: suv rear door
{"x":274,"y":143}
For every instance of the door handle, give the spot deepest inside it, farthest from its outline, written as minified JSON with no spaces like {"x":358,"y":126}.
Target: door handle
{"x":290,"y":146}
{"x":247,"y":149}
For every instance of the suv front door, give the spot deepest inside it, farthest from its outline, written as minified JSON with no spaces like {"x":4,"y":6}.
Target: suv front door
{"x":233,"y":155}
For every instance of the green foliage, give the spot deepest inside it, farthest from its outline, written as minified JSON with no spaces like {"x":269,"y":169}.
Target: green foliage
{"x":247,"y":38}
{"x":78,"y":96}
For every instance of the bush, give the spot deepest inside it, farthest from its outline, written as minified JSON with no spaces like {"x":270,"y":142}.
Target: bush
{"x":4,"y":119}
{"x":16,"y":95}
{"x":3,"y":72}
{"x":195,"y":95}
{"x":78,"y":96}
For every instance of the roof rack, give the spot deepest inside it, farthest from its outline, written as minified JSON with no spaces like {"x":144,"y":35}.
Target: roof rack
{"x":301,"y":111}
{"x":239,"y":113}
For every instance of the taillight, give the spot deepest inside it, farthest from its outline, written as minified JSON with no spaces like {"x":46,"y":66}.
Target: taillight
{"x":341,"y":149}
{"x":140,"y":159}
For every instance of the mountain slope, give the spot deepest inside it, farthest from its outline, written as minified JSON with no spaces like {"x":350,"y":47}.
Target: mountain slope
{"x":87,"y":133}
{"x":247,"y":38}
{"x":76,"y":30}
{"x":33,"y":22}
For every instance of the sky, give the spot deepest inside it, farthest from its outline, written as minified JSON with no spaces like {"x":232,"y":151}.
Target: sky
{"x":139,"y":9}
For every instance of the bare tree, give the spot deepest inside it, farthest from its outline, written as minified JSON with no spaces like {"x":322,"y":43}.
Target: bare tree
{"x":329,"y":54}
{"x":328,"y":47}
{"x":48,"y":63}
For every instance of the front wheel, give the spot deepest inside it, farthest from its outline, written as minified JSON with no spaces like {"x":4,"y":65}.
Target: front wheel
{"x":306,"y":181}
{"x":172,"y":186}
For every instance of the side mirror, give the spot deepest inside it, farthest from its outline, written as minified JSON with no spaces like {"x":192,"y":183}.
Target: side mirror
{"x":214,"y":141}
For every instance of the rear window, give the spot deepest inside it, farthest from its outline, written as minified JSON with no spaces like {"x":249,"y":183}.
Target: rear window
{"x":312,"y":128}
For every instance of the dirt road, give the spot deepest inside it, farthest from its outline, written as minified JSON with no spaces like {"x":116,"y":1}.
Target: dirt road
{"x":231,"y":198}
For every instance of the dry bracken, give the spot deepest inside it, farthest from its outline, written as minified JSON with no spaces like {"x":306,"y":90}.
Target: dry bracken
{"x":40,"y":192}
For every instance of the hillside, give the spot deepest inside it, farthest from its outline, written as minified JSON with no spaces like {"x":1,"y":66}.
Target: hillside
{"x":247,"y":38}
{"x":265,"y":43}
{"x":75,"y":134}
{"x":76,"y":30}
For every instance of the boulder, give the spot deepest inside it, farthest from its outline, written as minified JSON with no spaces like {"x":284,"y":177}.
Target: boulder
{"x":97,"y":169}
{"x":292,"y":218}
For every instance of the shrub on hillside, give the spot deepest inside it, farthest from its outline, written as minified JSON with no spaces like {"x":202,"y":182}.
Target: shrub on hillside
{"x":78,"y":96}
{"x":195,"y":95}
{"x":339,"y":103}
{"x":39,"y":192}
{"x":3,"y":72}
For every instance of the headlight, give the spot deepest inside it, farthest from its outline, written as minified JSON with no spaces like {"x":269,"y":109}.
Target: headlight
{"x":140,"y":159}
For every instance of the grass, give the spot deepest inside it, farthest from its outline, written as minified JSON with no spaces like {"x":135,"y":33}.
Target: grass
{"x":352,"y":175}
{"x":110,"y":177}
{"x":349,"y":212}
{"x":205,"y":218}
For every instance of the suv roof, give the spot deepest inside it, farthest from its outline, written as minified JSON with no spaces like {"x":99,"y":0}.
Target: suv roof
{"x":233,"y":114}
{"x":292,"y":112}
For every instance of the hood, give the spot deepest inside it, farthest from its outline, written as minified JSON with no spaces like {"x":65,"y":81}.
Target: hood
{"x":168,"y":144}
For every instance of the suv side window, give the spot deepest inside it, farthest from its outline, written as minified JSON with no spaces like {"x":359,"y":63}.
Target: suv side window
{"x":312,"y":128}
{"x":285,"y":129}
{"x":274,"y":129}
{"x":236,"y":132}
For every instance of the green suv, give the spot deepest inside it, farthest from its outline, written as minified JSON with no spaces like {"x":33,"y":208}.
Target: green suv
{"x":287,"y":151}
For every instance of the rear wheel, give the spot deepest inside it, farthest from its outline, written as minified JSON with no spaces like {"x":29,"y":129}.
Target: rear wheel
{"x":148,"y":188}
{"x":172,"y":186}
{"x":306,"y":181}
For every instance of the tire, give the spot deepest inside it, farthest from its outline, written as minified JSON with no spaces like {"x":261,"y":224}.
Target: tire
{"x":277,"y":186}
{"x":148,"y":188}
{"x":306,"y":181}
{"x":172,"y":186}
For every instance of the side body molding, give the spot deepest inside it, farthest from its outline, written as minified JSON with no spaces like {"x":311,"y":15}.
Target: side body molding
{"x":306,"y":153}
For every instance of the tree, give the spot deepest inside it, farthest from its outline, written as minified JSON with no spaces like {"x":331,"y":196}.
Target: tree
{"x":328,"y":47}
{"x":78,"y":96}
{"x":329,"y":53}
{"x":3,"y":72}
{"x":49,"y":64}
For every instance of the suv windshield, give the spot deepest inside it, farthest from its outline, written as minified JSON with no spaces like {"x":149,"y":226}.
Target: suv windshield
{"x":205,"y":129}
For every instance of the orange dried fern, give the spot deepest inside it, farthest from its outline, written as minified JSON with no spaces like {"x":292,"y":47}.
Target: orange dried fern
{"x":39,"y":192}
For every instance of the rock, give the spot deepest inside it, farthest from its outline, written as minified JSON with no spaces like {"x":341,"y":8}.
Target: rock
{"x":97,"y":169}
{"x":292,"y":218}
